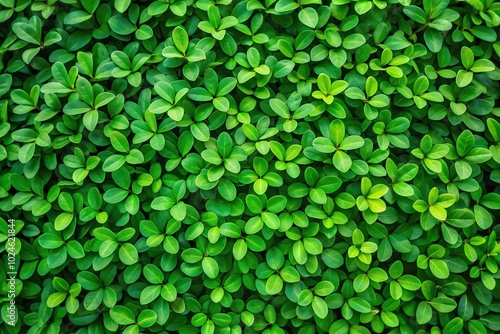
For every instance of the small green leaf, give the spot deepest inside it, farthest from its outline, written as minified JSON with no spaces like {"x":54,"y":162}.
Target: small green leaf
{"x":353,"y":41}
{"x":122,"y":315}
{"x":181,"y":39}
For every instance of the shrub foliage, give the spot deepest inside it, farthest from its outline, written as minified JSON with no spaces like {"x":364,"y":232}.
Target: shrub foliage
{"x":276,"y":166}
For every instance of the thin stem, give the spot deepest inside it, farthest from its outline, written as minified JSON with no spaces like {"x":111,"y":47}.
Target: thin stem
{"x":419,"y":30}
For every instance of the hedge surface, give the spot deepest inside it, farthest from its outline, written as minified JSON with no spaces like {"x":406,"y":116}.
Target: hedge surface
{"x":253,"y":166}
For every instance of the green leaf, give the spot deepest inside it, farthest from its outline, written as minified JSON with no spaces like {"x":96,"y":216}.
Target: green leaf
{"x":88,"y":280}
{"x":485,"y":33}
{"x":424,"y":312}
{"x":153,"y":274}
{"x":128,"y":254}
{"x":443,"y":304}
{"x":210,"y":267}
{"x":465,"y":142}
{"x":275,"y":258}
{"x":224,"y":144}
{"x":115,"y":195}
{"x":240,"y":249}
{"x":299,"y":252}
{"x":353,"y":41}
{"x":454,"y":326}
{"x":122,"y":315}
{"x":119,"y":142}
{"x":433,"y":39}
{"x":313,"y":246}
{"x":478,"y":155}
{"x":309,"y":17}
{"x":147,"y":318}
{"x":181,"y":39}
{"x":359,"y":305}
{"x":377,"y":275}
{"x":439,"y":268}
{"x":56,"y":299}
{"x":30,"y":32}
{"x":280,"y":108}
{"x":467,"y":57}
{"x":290,"y":275}
{"x":464,"y":78}
{"x":342,"y":161}
{"x":63,"y":220}
{"x":410,"y":282}
{"x":76,"y":17}
{"x":323,"y":145}
{"x":416,"y":14}
{"x":274,"y":285}
{"x":337,"y":87}
{"x":491,"y":201}
{"x":352,"y":143}
{"x":122,"y":5}
{"x":390,"y":319}
{"x":482,"y":65}
{"x":320,"y":307}
{"x":50,"y":241}
{"x":438,"y":212}
{"x":361,"y":283}
{"x":464,"y":170}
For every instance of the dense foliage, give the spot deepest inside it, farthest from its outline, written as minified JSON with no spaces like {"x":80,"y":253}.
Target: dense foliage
{"x":276,"y":166}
